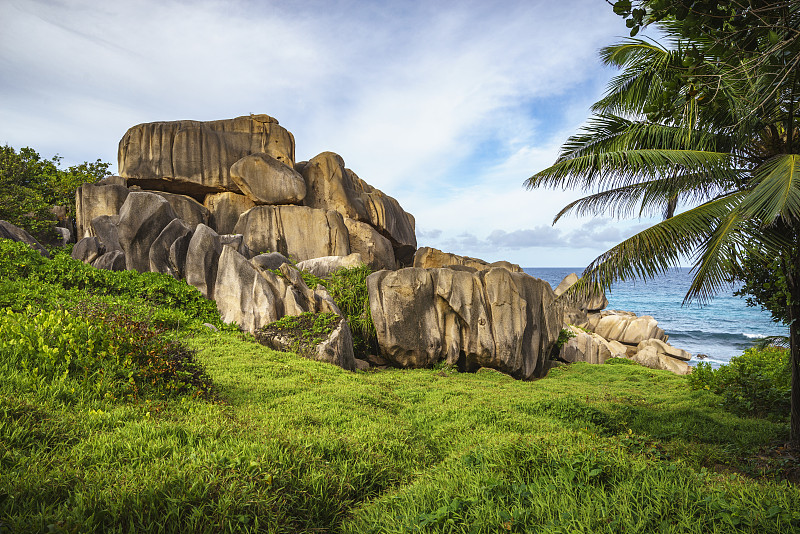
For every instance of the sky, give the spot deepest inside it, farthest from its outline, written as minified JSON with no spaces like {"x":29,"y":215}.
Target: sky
{"x":448,"y":106}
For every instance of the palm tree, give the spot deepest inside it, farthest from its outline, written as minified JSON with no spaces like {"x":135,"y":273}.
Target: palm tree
{"x":683,"y":124}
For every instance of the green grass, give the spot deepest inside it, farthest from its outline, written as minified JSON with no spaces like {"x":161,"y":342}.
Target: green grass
{"x":292,"y":445}
{"x":119,"y":413}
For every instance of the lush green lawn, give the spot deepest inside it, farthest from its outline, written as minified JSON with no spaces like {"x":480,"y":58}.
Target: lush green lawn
{"x":108,"y":423}
{"x":293,"y":445}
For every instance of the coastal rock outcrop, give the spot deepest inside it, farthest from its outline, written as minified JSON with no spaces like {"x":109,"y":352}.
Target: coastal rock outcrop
{"x":625,"y":327}
{"x":493,"y":318}
{"x":265,"y":180}
{"x":590,"y":348}
{"x":618,"y":334}
{"x":298,"y":232}
{"x":195,"y":158}
{"x":431,"y":258}
{"x":142,"y":217}
{"x":223,"y":205}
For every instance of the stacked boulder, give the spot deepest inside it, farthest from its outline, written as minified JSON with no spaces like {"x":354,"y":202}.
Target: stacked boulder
{"x":601,"y":334}
{"x":209,"y":201}
{"x":471,"y":318}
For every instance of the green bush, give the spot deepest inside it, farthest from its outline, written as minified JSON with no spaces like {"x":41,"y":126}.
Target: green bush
{"x":348,"y":287}
{"x":49,"y":281}
{"x":18,"y":260}
{"x":30,"y":185}
{"x":94,"y":353}
{"x":757,"y":382}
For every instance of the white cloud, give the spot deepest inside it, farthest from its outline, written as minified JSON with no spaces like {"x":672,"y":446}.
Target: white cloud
{"x":447,"y":106}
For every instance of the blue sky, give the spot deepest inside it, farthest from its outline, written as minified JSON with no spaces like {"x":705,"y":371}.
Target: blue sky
{"x":446,"y":106}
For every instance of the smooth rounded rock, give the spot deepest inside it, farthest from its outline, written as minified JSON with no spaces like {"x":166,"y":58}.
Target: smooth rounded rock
{"x":265,"y":180}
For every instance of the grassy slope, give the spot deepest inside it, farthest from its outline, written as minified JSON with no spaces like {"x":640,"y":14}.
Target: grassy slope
{"x":295,"y":445}
{"x":292,"y":445}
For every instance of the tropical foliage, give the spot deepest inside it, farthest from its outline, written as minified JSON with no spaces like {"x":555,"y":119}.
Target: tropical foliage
{"x":30,"y":185}
{"x":706,"y":122}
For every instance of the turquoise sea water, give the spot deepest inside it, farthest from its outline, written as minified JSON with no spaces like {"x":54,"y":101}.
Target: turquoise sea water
{"x":721,"y":329}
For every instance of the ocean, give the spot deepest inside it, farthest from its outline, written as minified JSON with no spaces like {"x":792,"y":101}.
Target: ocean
{"x":721,"y":329}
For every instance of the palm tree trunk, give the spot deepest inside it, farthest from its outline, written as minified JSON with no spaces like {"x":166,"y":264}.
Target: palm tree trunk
{"x":793,"y":285}
{"x":794,"y":343}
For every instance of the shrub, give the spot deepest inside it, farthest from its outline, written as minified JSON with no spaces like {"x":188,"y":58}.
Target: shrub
{"x":18,"y":262}
{"x":30,"y":185}
{"x":304,"y":331}
{"x":563,"y":338}
{"x":348,"y":287}
{"x":94,"y":353}
{"x":757,"y":382}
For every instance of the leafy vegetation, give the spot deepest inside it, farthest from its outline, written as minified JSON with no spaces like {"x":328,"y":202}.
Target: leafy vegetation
{"x":31,"y":185}
{"x":757,"y":382}
{"x":348,"y":287}
{"x":563,"y":338}
{"x":304,"y":331}
{"x":26,"y":278}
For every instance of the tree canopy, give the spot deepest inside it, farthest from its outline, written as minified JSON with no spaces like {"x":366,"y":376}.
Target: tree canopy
{"x":708,"y":120}
{"x":30,"y":185}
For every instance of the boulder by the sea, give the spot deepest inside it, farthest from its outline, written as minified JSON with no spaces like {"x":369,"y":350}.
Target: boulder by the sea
{"x":625,"y":327}
{"x":494,"y":318}
{"x":297,"y":232}
{"x":265,"y":180}
{"x":590,"y":348}
{"x":194,"y":157}
{"x":431,"y":258}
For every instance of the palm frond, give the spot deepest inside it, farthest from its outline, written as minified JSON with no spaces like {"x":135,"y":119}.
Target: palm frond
{"x":658,"y":248}
{"x":776,"y":190}
{"x":646,"y":198}
{"x":626,"y":167}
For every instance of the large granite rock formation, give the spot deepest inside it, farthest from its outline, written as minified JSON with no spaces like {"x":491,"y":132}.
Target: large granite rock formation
{"x":15,"y":233}
{"x":298,"y":232}
{"x":226,"y":204}
{"x":431,"y":258}
{"x":195,"y":158}
{"x":94,"y":200}
{"x":494,"y":318}
{"x":142,"y":217}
